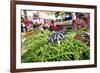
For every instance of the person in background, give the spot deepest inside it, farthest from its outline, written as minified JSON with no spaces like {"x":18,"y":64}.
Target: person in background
{"x":45,"y":24}
{"x":41,"y":23}
{"x":68,"y":17}
{"x":28,"y":22}
{"x":78,"y":23}
{"x":53,"y":26}
{"x":23,"y":26}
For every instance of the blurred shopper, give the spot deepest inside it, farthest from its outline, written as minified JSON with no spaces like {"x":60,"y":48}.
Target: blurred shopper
{"x":23,"y":26}
{"x":28,"y":22}
{"x":78,"y":23}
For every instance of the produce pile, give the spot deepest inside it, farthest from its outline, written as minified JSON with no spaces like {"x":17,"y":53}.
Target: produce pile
{"x":40,"y":50}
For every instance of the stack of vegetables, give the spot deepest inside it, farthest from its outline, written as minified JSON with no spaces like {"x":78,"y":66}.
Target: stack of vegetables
{"x":40,"y":50}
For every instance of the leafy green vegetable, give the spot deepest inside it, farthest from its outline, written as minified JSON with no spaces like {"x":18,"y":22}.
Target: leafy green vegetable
{"x":39,"y":50}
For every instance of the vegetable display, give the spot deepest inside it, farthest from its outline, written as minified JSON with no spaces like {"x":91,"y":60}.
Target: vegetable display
{"x":37,"y":48}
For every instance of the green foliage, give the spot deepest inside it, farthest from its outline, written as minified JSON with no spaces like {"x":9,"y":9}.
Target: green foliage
{"x":39,"y":50}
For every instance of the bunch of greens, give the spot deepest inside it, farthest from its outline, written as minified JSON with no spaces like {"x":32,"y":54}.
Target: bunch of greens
{"x":39,"y":50}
